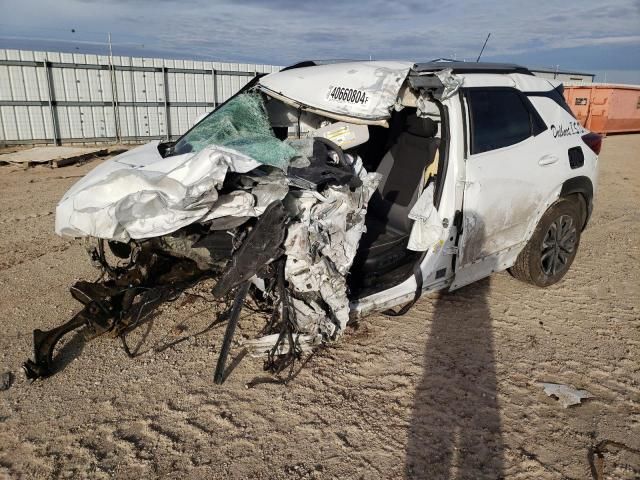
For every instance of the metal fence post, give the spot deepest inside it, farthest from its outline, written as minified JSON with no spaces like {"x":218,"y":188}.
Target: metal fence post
{"x":134,"y":101}
{"x":215,"y":88}
{"x":167,"y":120}
{"x":53,"y":108}
{"x":114,"y":99}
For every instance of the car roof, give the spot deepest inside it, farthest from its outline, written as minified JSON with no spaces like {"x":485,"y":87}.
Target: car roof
{"x":471,"y":67}
{"x":434,"y":66}
{"x":368,"y":90}
{"x":360,"y":89}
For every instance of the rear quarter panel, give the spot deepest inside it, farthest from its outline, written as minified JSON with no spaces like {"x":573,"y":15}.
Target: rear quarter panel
{"x":565,"y":132}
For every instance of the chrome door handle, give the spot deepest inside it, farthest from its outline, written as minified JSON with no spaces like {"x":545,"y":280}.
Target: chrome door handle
{"x":548,"y":160}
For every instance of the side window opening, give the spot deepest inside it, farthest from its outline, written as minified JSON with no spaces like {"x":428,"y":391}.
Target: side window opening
{"x":499,"y":118}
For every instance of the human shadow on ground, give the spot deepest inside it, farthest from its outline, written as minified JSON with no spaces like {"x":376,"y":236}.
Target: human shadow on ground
{"x":455,"y":429}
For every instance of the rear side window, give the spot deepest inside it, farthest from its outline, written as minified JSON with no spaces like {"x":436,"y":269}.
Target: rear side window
{"x":499,"y":118}
{"x":557,"y":96}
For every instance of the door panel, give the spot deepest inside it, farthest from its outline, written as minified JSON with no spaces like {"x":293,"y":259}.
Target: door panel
{"x":506,"y":189}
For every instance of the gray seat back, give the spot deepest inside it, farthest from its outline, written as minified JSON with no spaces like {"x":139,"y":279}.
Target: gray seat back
{"x":402,"y":169}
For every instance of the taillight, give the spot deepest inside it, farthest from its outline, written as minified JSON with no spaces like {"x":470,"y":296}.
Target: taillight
{"x":593,"y":141}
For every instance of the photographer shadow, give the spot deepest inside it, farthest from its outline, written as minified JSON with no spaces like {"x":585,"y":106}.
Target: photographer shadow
{"x":455,"y":430}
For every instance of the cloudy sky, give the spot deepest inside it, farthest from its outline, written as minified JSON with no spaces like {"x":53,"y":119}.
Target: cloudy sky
{"x":588,"y":35}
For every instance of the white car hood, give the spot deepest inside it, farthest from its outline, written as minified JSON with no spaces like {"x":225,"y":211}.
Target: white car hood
{"x":140,"y":194}
{"x":364,"y":90}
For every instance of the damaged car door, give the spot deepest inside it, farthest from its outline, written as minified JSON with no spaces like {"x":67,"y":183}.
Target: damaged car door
{"x":507,"y":179}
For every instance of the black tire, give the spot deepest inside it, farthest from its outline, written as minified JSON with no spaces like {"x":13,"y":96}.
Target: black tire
{"x":547,"y":256}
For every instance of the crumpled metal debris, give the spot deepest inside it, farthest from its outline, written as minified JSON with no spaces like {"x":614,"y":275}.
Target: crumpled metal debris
{"x":142,"y":194}
{"x":111,"y":305}
{"x":304,"y":149}
{"x":261,"y":246}
{"x":568,"y":395}
{"x":450,"y":82}
{"x":320,"y":249}
{"x":293,"y":235}
{"x":426,"y":108}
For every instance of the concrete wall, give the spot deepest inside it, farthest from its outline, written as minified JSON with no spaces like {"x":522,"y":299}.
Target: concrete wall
{"x":50,"y":97}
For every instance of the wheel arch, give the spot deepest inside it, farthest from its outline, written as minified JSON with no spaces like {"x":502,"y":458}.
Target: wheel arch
{"x":583,"y":187}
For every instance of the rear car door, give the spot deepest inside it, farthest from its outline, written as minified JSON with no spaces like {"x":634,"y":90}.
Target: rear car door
{"x":511,"y":169}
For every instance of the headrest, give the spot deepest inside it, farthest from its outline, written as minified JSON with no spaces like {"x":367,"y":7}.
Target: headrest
{"x":421,"y":127}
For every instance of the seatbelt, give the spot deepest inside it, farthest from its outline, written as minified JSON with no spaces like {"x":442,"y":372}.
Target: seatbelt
{"x":417,"y":273}
{"x":431,"y":170}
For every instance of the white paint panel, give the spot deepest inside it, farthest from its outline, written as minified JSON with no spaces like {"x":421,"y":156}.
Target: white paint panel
{"x":41,"y":75}
{"x":63,"y":122}
{"x":36,"y":122}
{"x":16,"y":83}
{"x":82,"y":84}
{"x":24,"y":124}
{"x":75,"y":122}
{"x":152,"y":120}
{"x":94,"y":88}
{"x":32,"y":89}
{"x":365,"y":90}
{"x":58,"y":84}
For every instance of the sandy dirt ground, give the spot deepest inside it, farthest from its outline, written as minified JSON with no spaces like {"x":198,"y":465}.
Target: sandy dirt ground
{"x":448,"y":391}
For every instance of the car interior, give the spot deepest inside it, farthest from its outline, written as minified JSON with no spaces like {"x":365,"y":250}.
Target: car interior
{"x":405,"y":153}
{"x":402,"y":153}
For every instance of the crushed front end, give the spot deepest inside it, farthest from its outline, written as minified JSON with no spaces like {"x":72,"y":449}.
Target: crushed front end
{"x":238,"y":200}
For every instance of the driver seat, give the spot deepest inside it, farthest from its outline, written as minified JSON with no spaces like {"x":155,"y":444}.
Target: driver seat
{"x":383,"y":246}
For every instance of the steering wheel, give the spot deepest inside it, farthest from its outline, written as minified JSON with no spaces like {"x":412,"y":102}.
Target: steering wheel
{"x":342,"y":159}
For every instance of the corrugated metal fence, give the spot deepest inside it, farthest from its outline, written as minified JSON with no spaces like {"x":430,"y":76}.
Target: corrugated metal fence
{"x":49,"y":97}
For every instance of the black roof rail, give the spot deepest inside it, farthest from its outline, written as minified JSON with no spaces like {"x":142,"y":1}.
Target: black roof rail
{"x":471,"y":67}
{"x":433,"y":66}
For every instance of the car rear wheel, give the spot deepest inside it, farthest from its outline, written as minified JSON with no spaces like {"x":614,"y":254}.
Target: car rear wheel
{"x":551,"y":249}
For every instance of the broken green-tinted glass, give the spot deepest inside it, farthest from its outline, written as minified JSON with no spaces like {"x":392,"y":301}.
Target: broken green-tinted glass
{"x":241,"y":124}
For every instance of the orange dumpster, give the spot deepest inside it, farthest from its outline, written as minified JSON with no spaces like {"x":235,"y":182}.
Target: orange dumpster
{"x":606,"y":108}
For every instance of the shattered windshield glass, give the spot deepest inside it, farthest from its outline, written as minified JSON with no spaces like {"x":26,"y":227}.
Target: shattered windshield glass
{"x":241,"y":124}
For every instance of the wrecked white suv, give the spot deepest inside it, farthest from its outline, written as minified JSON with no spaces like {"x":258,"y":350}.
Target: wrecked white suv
{"x":328,"y":191}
